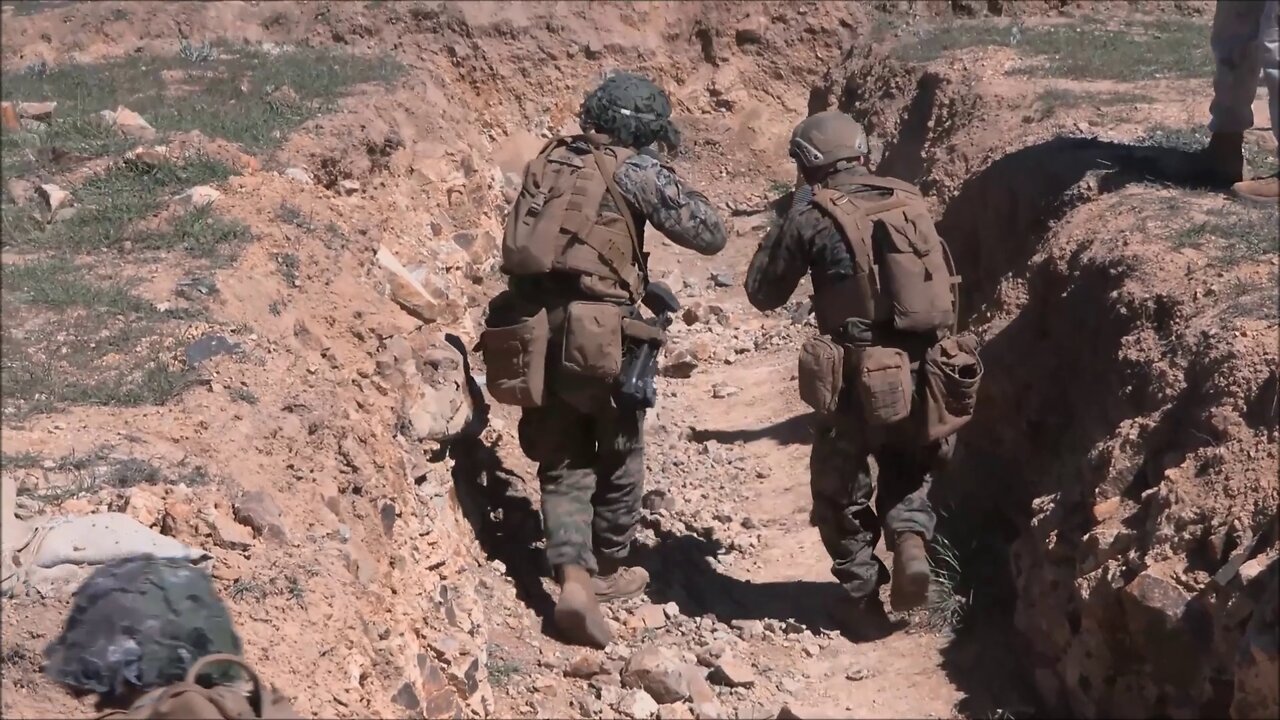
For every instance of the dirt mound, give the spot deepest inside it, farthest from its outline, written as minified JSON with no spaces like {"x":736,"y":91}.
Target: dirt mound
{"x":373,"y":524}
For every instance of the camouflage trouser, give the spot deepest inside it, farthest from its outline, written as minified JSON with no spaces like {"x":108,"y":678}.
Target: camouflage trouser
{"x":842,"y":486}
{"x":591,"y":469}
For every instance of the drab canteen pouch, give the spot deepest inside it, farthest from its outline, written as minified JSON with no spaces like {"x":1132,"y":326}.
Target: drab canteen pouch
{"x":515,"y":355}
{"x":883,"y":384}
{"x":821,"y":373}
{"x":952,"y":372}
{"x":593,"y":340}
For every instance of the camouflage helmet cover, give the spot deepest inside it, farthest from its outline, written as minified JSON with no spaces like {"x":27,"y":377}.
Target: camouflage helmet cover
{"x":631,"y":110}
{"x":827,"y":137}
{"x":138,"y":624}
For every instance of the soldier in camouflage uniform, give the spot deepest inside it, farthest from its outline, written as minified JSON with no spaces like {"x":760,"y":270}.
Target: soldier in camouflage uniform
{"x":590,"y":452}
{"x":831,"y":151}
{"x":136,"y":630}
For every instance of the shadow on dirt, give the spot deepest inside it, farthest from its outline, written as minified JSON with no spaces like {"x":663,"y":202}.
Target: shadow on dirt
{"x":995,"y":222}
{"x":681,"y":572}
{"x":504,"y":521}
{"x":795,"y":430}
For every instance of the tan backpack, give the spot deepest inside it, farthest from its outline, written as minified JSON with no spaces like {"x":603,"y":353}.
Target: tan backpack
{"x":188,"y":700}
{"x":557,"y":224}
{"x":903,"y":267}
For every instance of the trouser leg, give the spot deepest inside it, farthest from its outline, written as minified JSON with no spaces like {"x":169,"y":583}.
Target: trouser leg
{"x":842,"y":487}
{"x":1236,"y":41}
{"x":620,"y":483}
{"x":562,"y":441}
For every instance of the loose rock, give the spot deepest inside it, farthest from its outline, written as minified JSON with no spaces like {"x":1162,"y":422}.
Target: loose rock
{"x":298,"y":175}
{"x":200,"y":196}
{"x":680,"y":364}
{"x":657,"y":671}
{"x":585,"y":666}
{"x":721,"y":391}
{"x":41,"y":111}
{"x":53,"y":197}
{"x":730,"y":672}
{"x":638,"y":704}
{"x":228,"y":534}
{"x":348,"y":187}
{"x":131,"y":124}
{"x":259,"y":511}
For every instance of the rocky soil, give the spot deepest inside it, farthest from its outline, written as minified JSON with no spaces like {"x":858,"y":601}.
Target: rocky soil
{"x":1110,"y":528}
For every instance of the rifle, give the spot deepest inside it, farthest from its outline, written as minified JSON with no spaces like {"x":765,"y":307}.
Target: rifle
{"x":636,"y":389}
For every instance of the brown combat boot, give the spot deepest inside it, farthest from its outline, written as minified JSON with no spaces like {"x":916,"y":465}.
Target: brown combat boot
{"x":862,"y":619}
{"x":616,"y":581}
{"x":910,"y":587}
{"x":577,"y":613}
{"x":1223,"y":160}
{"x":1260,"y":191}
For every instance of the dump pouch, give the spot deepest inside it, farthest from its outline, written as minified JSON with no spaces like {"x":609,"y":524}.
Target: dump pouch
{"x":593,"y":340}
{"x":821,"y":373}
{"x":514,"y":347}
{"x":951,"y":374}
{"x":883,"y":384}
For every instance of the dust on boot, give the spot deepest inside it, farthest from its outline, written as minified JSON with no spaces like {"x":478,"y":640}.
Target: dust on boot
{"x":910,"y":586}
{"x":1260,"y":191}
{"x":577,"y":612}
{"x":616,"y":581}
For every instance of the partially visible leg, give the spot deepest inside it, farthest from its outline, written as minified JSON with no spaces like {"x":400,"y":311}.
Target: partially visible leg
{"x":906,"y":475}
{"x":561,"y":440}
{"x":1238,"y":60}
{"x":619,"y":490}
{"x":842,"y":486}
{"x":1266,"y":190}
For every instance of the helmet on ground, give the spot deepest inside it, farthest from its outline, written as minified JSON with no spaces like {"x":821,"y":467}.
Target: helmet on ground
{"x":826,"y":138}
{"x":138,"y":624}
{"x":631,"y":110}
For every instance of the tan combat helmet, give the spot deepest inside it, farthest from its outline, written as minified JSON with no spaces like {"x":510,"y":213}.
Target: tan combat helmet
{"x":826,"y":138}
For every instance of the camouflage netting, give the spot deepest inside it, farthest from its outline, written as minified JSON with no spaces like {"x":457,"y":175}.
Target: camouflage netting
{"x":138,"y":624}
{"x":632,"y":110}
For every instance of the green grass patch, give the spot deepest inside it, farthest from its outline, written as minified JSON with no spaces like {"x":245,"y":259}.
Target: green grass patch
{"x":1085,"y":49}
{"x":1056,"y":97}
{"x":71,"y":339}
{"x":245,"y":94}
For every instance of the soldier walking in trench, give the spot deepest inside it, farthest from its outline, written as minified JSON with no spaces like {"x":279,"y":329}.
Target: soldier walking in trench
{"x":886,"y":376}
{"x":559,"y":338}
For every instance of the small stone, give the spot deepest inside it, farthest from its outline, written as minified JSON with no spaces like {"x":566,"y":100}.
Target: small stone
{"x":638,"y":704}
{"x":407,"y":292}
{"x":148,"y":157}
{"x":64,"y":214}
{"x":259,"y":511}
{"x":730,"y":672}
{"x":200,"y":196}
{"x":721,"y":279}
{"x":228,"y":534}
{"x":671,"y":610}
{"x":721,"y":391}
{"x":42,"y":111}
{"x":706,"y":706}
{"x":348,"y":187}
{"x":748,"y":629}
{"x":131,"y":124}
{"x":657,"y":671}
{"x":675,"y":711}
{"x":652,"y":616}
{"x":709,"y":655}
{"x":858,"y":674}
{"x":53,"y":197}
{"x":585,"y":666}
{"x":658,"y":500}
{"x":680,"y":364}
{"x":298,"y":175}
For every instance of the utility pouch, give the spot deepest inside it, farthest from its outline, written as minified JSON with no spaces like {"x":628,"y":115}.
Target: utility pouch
{"x":593,"y":340}
{"x":952,"y":372}
{"x":515,"y":355}
{"x":883,"y":384}
{"x":821,"y":373}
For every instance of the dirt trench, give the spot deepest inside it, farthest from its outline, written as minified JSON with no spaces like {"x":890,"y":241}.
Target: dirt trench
{"x":1124,"y":450}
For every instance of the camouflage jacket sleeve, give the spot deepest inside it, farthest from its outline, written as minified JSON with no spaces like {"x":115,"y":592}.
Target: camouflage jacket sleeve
{"x":684,"y":215}
{"x":780,"y":262}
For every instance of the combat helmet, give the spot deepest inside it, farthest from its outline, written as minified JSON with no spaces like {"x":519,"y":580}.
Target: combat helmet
{"x":631,"y":110}
{"x":826,"y":138}
{"x":138,"y":624}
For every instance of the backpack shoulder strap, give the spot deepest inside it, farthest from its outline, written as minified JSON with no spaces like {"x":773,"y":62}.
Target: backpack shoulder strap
{"x":854,"y":225}
{"x":607,"y":166}
{"x":257,"y":696}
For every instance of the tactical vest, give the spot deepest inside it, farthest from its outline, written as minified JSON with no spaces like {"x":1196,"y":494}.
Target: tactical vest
{"x":903,"y":278}
{"x":560,"y":224}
